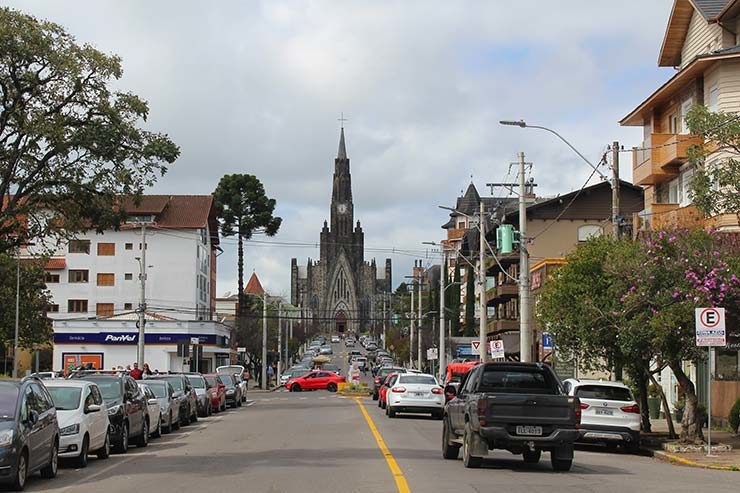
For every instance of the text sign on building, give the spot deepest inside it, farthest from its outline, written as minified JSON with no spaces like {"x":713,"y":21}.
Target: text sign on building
{"x":710,"y":327}
{"x":497,"y":349}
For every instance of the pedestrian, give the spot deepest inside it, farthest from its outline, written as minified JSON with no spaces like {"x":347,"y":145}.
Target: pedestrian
{"x":147,"y":370}
{"x":136,"y":372}
{"x":270,"y":373}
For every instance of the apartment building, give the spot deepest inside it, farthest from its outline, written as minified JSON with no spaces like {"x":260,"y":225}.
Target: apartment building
{"x":702,"y":43}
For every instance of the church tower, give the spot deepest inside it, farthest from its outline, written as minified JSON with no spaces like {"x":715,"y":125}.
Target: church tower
{"x":342,"y":209}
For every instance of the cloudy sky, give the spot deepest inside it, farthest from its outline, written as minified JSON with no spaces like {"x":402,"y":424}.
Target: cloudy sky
{"x":257,"y":87}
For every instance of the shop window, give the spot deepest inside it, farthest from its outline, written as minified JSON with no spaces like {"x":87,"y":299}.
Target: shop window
{"x":51,"y":278}
{"x":76,"y":276}
{"x":129,"y":246}
{"x":128,"y":276}
{"x":79,"y":246}
{"x":104,"y":309}
{"x":106,"y":279}
{"x":589,"y":231}
{"x":77,"y":306}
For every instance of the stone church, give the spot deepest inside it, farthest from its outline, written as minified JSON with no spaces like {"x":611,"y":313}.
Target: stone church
{"x":341,"y":291}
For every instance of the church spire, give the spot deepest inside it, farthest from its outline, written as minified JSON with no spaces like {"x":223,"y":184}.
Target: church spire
{"x":342,"y":153}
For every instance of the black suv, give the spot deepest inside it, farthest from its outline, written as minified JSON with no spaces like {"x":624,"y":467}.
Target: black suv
{"x":29,"y":432}
{"x":127,"y":408}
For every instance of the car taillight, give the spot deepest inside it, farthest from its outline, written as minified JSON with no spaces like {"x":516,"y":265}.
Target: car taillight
{"x":584,"y":405}
{"x":482,"y":410}
{"x":634,"y":408}
{"x":437,"y":391}
{"x":398,"y":390}
{"x":579,"y":412}
{"x":377,"y":379}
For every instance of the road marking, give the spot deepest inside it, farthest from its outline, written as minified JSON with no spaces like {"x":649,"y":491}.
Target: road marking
{"x":250,"y":403}
{"x":401,"y":484}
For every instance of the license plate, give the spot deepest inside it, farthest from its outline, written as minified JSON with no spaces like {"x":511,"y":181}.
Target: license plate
{"x":529,"y":430}
{"x":604,"y":412}
{"x":419,"y":394}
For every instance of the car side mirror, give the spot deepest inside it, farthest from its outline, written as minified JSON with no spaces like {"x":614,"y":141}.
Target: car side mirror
{"x":33,"y":418}
{"x":92,"y":408}
{"x":450,"y":392}
{"x":152,"y":401}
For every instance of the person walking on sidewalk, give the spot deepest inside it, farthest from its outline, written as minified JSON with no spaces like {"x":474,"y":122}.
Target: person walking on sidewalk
{"x":270,"y":373}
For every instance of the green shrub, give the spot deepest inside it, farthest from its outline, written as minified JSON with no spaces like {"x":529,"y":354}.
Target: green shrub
{"x":734,"y":417}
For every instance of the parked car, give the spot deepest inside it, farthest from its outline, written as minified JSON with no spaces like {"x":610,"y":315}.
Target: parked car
{"x":29,"y":432}
{"x":154,"y":410}
{"x":233,"y":392}
{"x":335,"y":339}
{"x":127,"y":408}
{"x":185,"y":394}
{"x":238,"y":372}
{"x":291,"y":373}
{"x":326,"y":350}
{"x":168,"y":403}
{"x":383,"y":391}
{"x":609,"y":413}
{"x":315,"y":380}
{"x":203,"y":394}
{"x":349,"y":342}
{"x":380,"y":377}
{"x":84,"y":427}
{"x":218,"y":392}
{"x":519,"y":407}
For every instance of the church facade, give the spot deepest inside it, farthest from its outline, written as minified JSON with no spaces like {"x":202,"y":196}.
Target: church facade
{"x":340,"y":291}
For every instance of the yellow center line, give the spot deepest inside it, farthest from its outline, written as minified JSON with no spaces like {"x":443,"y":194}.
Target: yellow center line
{"x":401,"y":484}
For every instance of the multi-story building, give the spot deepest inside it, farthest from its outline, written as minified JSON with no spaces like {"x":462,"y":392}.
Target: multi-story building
{"x":702,"y":43}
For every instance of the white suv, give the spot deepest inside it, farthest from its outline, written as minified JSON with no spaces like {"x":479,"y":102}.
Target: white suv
{"x":609,"y":413}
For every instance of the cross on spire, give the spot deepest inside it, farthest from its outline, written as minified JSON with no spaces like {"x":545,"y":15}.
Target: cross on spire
{"x":342,"y":119}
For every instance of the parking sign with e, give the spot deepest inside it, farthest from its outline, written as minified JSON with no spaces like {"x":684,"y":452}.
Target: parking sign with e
{"x":710,"y":327}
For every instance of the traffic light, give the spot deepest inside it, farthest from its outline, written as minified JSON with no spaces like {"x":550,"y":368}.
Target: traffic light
{"x":505,"y":238}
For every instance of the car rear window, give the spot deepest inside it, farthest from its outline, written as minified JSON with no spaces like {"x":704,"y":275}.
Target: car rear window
{"x":420,"y":379}
{"x":522,"y":381}
{"x":604,"y":392}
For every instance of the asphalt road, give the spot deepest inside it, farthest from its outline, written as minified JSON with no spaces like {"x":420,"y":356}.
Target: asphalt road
{"x":321,"y":442}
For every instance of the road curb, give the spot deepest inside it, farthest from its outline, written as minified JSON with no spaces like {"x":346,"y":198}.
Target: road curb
{"x":675,"y":459}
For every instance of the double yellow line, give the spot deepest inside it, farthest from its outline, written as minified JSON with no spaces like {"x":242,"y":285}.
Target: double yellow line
{"x":401,"y":484}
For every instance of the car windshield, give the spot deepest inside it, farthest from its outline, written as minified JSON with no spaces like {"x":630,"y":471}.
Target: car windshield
{"x":197,"y":381}
{"x":109,"y":387}
{"x":65,"y":398}
{"x":159,"y":389}
{"x":523,"y":381}
{"x":419,"y":379}
{"x":604,"y":392}
{"x":211,"y":382}
{"x":176,"y":382}
{"x":227,"y":380}
{"x":8,"y":400}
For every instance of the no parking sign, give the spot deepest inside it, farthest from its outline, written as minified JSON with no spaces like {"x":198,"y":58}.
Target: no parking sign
{"x":710,"y":327}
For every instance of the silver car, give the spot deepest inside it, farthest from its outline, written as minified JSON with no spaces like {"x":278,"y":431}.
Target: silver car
{"x":169,"y":406}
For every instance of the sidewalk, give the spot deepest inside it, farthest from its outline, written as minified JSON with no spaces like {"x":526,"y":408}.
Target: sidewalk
{"x":719,"y":460}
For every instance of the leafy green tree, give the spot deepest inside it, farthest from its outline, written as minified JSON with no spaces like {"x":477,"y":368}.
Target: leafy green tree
{"x":69,"y":144}
{"x":34,"y":328}
{"x":243,"y":209}
{"x":715,"y":186}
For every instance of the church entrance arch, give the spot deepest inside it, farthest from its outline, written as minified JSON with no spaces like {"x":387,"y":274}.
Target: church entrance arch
{"x":340,"y":321}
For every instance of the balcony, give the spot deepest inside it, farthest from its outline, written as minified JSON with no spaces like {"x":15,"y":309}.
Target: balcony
{"x":671,"y":216}
{"x":455,"y":234}
{"x":498,"y":326}
{"x":502,"y":293}
{"x":660,"y":164}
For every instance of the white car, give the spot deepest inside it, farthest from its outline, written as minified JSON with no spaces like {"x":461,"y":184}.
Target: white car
{"x":83,"y":420}
{"x":609,"y":412}
{"x":335,"y":339}
{"x":415,"y":393}
{"x":154,"y":410}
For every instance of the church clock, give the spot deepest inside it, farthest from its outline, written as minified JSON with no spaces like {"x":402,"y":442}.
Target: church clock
{"x":342,"y":208}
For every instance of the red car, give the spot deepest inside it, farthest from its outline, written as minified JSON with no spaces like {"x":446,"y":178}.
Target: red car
{"x":314,"y":380}
{"x":217,"y":390}
{"x":383,"y":390}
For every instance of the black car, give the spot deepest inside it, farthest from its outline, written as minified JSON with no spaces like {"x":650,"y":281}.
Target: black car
{"x":233,"y":392}
{"x":127,"y":408}
{"x":29,"y":432}
{"x":184,"y":394}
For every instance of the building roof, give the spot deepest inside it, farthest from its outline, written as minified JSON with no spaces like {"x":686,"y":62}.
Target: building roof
{"x":678,"y":25}
{"x":342,"y":152}
{"x":711,"y":9}
{"x":469,"y":203}
{"x":132,"y":315}
{"x":254,"y":286}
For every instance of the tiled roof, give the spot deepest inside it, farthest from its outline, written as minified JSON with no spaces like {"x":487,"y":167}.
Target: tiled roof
{"x":254,"y":286}
{"x":710,"y":9}
{"x":174,"y":211}
{"x":56,"y":264}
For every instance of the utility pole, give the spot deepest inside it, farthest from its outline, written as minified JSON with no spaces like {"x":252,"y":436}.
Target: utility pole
{"x":525,"y":309}
{"x":385,"y":317}
{"x":482,"y":281}
{"x":264,"y":341}
{"x":280,"y":340}
{"x":442,"y":349}
{"x":411,"y":333}
{"x":17,"y":314}
{"x":142,"y":301}
{"x":418,"y":334}
{"x":615,"y":188}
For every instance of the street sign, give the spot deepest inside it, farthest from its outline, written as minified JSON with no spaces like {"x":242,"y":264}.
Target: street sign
{"x":497,"y":349}
{"x":475,"y":345}
{"x":546,"y":341}
{"x":432,"y":353}
{"x":710,"y":327}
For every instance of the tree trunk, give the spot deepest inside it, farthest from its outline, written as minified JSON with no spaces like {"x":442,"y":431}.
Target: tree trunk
{"x":666,"y":408}
{"x":240,"y":273}
{"x":691,"y":427}
{"x":642,"y":389}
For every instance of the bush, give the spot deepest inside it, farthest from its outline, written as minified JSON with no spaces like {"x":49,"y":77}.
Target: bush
{"x":734,"y":417}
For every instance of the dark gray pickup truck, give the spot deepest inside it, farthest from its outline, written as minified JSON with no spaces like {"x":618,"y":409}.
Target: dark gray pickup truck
{"x":519,"y":407}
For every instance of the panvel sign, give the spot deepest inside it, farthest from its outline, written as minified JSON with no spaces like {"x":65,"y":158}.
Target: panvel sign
{"x":132,"y":338}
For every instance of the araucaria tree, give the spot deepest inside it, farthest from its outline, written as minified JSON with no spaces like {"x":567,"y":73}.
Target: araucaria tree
{"x":243,"y":209}
{"x":69,"y":144}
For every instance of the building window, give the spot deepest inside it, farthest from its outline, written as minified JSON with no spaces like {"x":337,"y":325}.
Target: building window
{"x":129,"y":246}
{"x":51,"y":278}
{"x":106,"y":279}
{"x":674,"y":192}
{"x":78,"y":276}
{"x":77,"y":306}
{"x":128,"y":276}
{"x":713,"y":98}
{"x":53,"y":308}
{"x":146,"y":247}
{"x":104,"y":309}
{"x":589,"y":231}
{"x":128,"y":306}
{"x":79,"y":246}
{"x":106,"y":249}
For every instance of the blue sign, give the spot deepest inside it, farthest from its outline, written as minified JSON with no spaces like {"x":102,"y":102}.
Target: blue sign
{"x":547,"y":342}
{"x":465,"y":350}
{"x":133,"y":338}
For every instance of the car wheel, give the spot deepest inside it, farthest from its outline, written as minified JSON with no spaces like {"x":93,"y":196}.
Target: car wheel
{"x":81,"y":460}
{"x":168,"y":426}
{"x":295,"y":388}
{"x":122,"y":446}
{"x":176,"y":424}
{"x":50,"y":470}
{"x":470,"y":461}
{"x":532,"y":457}
{"x":185,"y":418}
{"x":391,"y":412}
{"x":194,"y":415}
{"x":375,"y":396}
{"x":143,"y":440}
{"x":104,"y":452}
{"x":449,"y":450}
{"x":21,"y":472}
{"x":223,"y":406}
{"x":380,"y":404}
{"x":239,"y":403}
{"x":332,"y":387}
{"x":561,"y":464}
{"x":158,"y":432}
